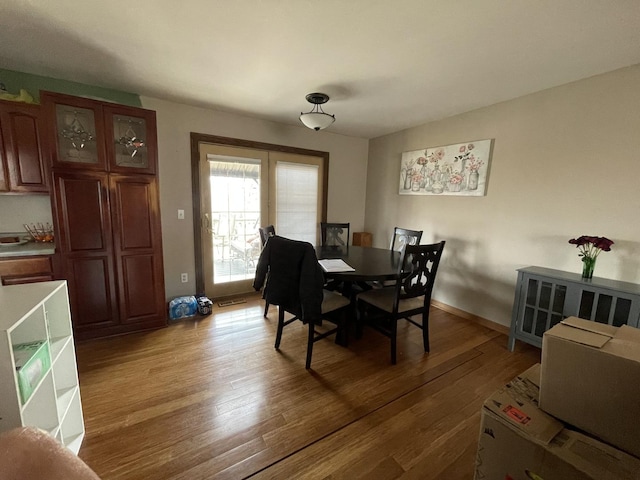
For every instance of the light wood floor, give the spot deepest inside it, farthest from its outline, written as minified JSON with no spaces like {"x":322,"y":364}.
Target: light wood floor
{"x":209,"y":397}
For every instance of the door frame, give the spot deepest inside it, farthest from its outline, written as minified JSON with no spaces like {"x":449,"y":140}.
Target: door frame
{"x":196,"y":140}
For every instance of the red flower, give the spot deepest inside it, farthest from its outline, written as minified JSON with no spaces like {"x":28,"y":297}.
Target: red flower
{"x":591,"y":246}
{"x":603,"y":244}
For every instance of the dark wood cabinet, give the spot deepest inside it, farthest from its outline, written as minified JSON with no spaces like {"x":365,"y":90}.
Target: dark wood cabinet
{"x":77,"y":132}
{"x":4,"y":175}
{"x":22,"y":148}
{"x":134,"y":201}
{"x":106,"y":210}
{"x":18,"y":270}
{"x":85,"y":246}
{"x":132,"y":139}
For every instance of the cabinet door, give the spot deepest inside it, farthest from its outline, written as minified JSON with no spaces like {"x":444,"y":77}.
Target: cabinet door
{"x":22,"y":128}
{"x":22,"y":279}
{"x":131,"y":139}
{"x":15,"y":271}
{"x":4,"y":184}
{"x":541,"y":306}
{"x":607,"y":306}
{"x":86,"y":249}
{"x":78,"y":133}
{"x":138,"y":249}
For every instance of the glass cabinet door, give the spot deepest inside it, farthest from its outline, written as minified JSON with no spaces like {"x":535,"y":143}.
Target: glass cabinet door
{"x":542,"y":307}
{"x":79,"y":133}
{"x":602,"y":306}
{"x":131,"y":145}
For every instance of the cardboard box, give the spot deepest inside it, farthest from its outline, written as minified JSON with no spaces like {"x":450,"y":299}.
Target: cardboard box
{"x":362,"y":239}
{"x":591,"y":380}
{"x":32,"y":362}
{"x":518,"y":441}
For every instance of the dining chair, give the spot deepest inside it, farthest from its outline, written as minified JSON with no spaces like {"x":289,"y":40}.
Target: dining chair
{"x":400,"y":238}
{"x":266,"y":233}
{"x":295,"y":284}
{"x":382,"y":308}
{"x":404,"y":236}
{"x":334,"y":234}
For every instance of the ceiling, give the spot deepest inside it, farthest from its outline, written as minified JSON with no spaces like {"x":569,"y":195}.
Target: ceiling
{"x":386,"y":64}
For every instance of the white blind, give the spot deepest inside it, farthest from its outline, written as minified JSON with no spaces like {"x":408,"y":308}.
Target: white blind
{"x":297,"y":201}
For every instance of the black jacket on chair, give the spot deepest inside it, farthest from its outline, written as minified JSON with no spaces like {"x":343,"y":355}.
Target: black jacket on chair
{"x":294,"y":279}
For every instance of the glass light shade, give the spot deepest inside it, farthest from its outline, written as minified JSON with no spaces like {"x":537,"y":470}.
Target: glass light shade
{"x":317,"y":120}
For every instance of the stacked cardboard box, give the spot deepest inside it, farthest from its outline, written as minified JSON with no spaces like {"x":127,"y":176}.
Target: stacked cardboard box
{"x":591,"y":380}
{"x":587,"y":383}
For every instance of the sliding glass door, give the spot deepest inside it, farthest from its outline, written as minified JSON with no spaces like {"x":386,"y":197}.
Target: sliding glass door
{"x":242,"y":189}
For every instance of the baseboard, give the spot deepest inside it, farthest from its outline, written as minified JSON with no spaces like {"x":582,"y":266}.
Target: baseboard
{"x":251,"y":295}
{"x":470,"y":316}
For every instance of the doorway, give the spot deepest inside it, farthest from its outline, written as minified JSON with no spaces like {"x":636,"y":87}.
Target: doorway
{"x":240,"y":186}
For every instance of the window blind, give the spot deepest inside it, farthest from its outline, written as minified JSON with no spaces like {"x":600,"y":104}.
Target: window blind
{"x":297,"y":201}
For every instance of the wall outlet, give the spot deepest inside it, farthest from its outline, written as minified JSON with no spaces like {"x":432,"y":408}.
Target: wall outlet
{"x":180,"y":214}
{"x":184,"y":278}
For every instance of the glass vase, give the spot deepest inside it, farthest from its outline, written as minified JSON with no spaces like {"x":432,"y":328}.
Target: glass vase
{"x":473,"y":180}
{"x":407,"y":179}
{"x":588,"y":264}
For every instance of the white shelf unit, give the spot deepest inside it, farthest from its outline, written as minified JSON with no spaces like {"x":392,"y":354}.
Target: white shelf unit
{"x":40,"y":312}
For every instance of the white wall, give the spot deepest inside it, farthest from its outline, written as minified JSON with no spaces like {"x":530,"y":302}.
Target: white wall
{"x":16,"y":210}
{"x":566,"y":163}
{"x":347,"y":173}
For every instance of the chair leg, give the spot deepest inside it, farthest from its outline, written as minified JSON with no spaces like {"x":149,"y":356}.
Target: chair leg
{"x":360,"y":316}
{"x":280,"y":326}
{"x":266,"y":308}
{"x":342,"y":335}
{"x":425,"y":330}
{"x":310,"y":344}
{"x":394,"y":334}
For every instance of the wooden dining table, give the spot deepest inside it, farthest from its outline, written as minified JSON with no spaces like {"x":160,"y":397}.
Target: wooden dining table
{"x":369,"y":264}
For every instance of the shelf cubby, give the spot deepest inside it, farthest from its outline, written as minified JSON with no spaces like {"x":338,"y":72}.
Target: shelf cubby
{"x":40,"y":312}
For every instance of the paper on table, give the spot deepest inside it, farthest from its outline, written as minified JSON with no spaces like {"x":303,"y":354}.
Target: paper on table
{"x":335,"y":265}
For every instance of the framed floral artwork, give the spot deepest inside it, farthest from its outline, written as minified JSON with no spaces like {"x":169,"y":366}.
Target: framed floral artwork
{"x":460,"y":169}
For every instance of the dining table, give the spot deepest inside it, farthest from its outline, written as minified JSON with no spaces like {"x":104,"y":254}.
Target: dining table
{"x":369,"y":265}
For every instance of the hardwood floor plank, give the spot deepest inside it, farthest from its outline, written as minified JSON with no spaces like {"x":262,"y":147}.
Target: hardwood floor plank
{"x":210,"y":397}
{"x":422,"y":429}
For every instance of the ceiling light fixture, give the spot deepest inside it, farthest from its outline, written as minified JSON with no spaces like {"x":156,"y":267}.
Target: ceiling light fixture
{"x":316,"y":119}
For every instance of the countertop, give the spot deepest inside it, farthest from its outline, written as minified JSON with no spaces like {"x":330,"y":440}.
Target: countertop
{"x":28,"y":249}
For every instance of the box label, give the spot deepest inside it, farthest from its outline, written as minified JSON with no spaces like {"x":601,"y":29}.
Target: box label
{"x":516,"y":415}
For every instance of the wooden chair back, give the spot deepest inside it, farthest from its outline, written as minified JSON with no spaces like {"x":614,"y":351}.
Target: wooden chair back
{"x":334,"y":234}
{"x":417,"y":272}
{"x":266,"y":233}
{"x":404,"y":236}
